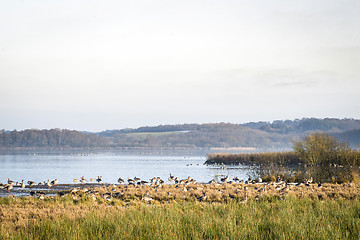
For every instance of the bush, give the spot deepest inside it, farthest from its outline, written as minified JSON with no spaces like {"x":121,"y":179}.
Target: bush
{"x":318,"y":149}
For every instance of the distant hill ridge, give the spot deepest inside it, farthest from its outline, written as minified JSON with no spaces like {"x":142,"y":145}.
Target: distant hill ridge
{"x":253,"y":134}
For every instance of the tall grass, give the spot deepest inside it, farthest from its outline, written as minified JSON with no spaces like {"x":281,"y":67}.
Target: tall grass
{"x":284,"y":158}
{"x":268,"y":218}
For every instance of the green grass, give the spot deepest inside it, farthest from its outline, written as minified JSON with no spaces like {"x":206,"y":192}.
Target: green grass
{"x":270,"y":218}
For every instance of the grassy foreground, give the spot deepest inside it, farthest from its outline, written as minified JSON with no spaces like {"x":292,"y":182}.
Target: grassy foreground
{"x":269,"y":217}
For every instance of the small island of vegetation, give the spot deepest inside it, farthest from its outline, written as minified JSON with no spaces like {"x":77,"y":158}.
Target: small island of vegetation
{"x":318,"y":156}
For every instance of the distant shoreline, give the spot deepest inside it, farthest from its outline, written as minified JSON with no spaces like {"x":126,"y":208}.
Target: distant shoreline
{"x":77,"y":149}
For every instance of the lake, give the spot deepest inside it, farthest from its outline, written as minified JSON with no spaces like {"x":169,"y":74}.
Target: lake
{"x":65,"y":166}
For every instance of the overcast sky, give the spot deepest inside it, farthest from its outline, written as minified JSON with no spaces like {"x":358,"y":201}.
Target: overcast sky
{"x":97,"y":65}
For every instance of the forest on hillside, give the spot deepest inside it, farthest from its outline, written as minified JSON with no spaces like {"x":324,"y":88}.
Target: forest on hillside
{"x":53,"y":138}
{"x":275,"y":134}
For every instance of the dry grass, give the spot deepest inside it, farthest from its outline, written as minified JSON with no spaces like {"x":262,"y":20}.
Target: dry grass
{"x":283,"y":158}
{"x":200,"y":211}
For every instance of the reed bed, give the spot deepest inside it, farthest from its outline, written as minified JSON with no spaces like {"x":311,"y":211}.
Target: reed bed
{"x":202,"y":211}
{"x":284,"y":158}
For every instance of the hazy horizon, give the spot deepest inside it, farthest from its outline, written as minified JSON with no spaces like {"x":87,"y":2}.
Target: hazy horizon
{"x":93,"y":66}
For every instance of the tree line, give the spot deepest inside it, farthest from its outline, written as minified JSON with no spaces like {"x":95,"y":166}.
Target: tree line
{"x":54,"y":138}
{"x":278,"y":134}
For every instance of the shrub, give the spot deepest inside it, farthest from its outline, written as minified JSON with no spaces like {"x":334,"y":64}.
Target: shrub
{"x":321,"y":149}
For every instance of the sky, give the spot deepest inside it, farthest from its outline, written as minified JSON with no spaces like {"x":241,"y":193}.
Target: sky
{"x":95,"y":65}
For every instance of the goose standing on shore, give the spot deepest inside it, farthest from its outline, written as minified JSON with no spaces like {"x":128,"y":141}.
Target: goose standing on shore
{"x":49,"y":184}
{"x":54,"y":182}
{"x":225,"y":179}
{"x":171,"y":178}
{"x":131,"y":181}
{"x":22,"y":184}
{"x":10,"y":181}
{"x":31,"y":183}
{"x":120,"y":180}
{"x":9,"y":186}
{"x":99,"y":179}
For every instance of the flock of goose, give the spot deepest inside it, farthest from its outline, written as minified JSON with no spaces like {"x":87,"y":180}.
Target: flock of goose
{"x":131,"y":181}
{"x":155,"y":181}
{"x":83,"y":180}
{"x":11,"y":184}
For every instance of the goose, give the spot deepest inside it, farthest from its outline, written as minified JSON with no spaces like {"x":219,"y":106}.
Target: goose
{"x":211,"y":182}
{"x":157,"y":181}
{"x":152,"y":180}
{"x":49,"y":184}
{"x":54,"y":182}
{"x":182,"y":181}
{"x":10,"y":181}
{"x":136,"y":179}
{"x":99,"y":179}
{"x":225,"y":179}
{"x":201,"y":198}
{"x":22,"y":184}
{"x":236,"y":179}
{"x":309,"y":181}
{"x":144,"y":182}
{"x":9,"y":186}
{"x":120,"y":180}
{"x":131,"y":181}
{"x":259,"y":179}
{"x":92,"y":179}
{"x":31,"y":183}
{"x":171,"y":178}
{"x":75,"y":180}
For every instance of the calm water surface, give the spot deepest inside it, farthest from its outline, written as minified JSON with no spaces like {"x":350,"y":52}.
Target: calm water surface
{"x":112,"y":165}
